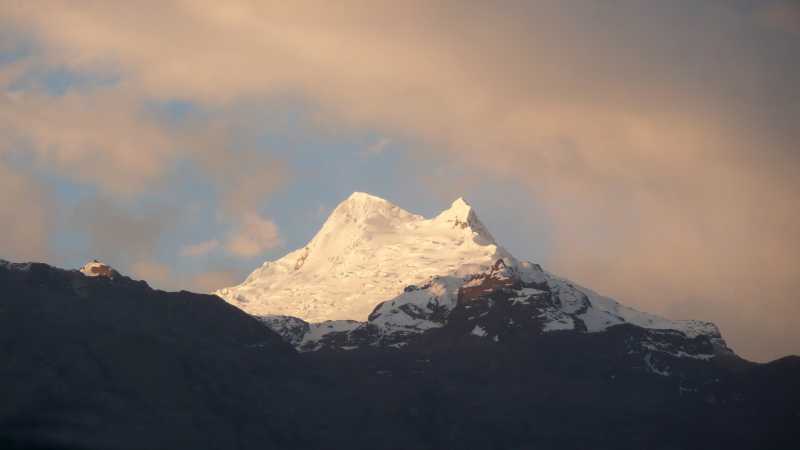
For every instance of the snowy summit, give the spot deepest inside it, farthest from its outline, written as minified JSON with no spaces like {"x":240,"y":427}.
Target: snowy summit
{"x":376,"y":273}
{"x":367,"y":251}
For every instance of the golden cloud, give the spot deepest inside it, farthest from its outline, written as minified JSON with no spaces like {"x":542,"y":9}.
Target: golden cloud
{"x":26,"y":217}
{"x":253,"y":237}
{"x":200,"y":248}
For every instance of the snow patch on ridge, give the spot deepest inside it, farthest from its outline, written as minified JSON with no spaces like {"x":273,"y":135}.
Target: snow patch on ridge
{"x":479,"y":331}
{"x":602,"y":312}
{"x":318,"y":331}
{"x":419,"y":309}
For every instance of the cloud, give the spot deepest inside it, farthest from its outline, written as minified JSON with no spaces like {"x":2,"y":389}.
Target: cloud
{"x":660,"y":137}
{"x":106,"y":137}
{"x":378,"y":147}
{"x":782,"y":15}
{"x":213,"y":280}
{"x":158,"y":274}
{"x":244,"y":177}
{"x":163,"y":276}
{"x":200,"y":248}
{"x":253,"y":236}
{"x":119,"y":236}
{"x":113,"y":137}
{"x":101,"y":138}
{"x":26,"y":217}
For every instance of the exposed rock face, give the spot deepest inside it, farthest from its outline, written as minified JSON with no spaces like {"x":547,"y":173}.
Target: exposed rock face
{"x":291,"y":329}
{"x":507,"y":304}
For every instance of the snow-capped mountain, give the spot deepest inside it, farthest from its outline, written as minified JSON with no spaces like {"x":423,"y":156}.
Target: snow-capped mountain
{"x":377,"y":275}
{"x":367,"y":251}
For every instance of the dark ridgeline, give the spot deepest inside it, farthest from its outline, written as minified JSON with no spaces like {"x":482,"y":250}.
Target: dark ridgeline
{"x":108,"y":363}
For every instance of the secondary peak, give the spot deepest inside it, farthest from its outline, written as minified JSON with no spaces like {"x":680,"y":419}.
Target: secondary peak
{"x":461,"y":207}
{"x":462,"y":215}
{"x":459,"y":212}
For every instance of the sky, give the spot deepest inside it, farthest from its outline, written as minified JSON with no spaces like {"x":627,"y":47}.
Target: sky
{"x":646,"y":149}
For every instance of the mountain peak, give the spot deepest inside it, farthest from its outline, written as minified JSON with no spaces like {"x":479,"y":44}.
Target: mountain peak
{"x":459,"y":211}
{"x":462,"y":215}
{"x":360,"y":206}
{"x":367,"y":251}
{"x":363,"y":196}
{"x":371,"y":252}
{"x":460,"y":207}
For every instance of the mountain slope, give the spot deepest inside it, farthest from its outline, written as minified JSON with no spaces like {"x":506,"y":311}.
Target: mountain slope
{"x":106,"y":362}
{"x":507,"y":303}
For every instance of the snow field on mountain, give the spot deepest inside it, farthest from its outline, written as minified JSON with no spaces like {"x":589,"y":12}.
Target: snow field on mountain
{"x":370,"y":252}
{"x":367,"y":251}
